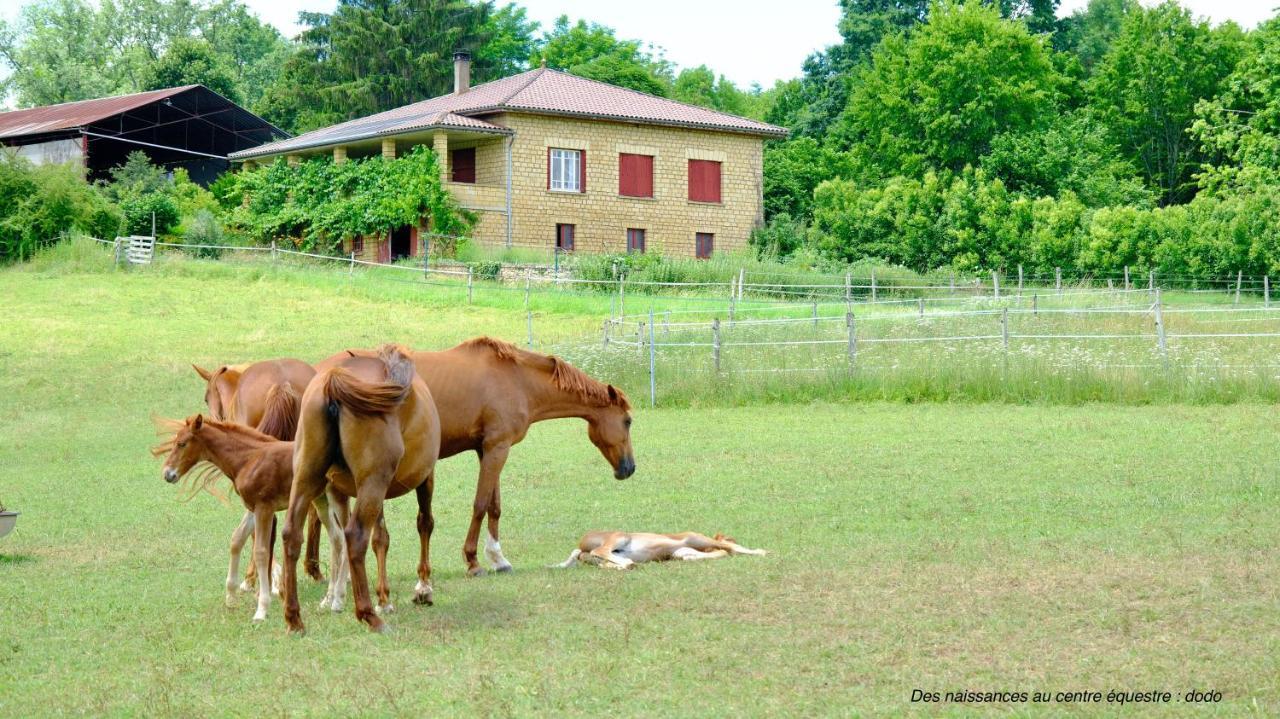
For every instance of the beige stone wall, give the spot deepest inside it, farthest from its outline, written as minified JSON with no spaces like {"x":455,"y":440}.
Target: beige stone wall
{"x":601,"y":215}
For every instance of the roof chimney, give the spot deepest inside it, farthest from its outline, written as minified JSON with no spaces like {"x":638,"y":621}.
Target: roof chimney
{"x":461,"y":71}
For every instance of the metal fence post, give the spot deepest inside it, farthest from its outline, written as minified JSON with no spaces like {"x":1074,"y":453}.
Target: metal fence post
{"x":952,"y":277}
{"x":1160,"y":338}
{"x":1057,"y":279}
{"x":742,"y":278}
{"x":529,"y":316}
{"x":920,"y":302}
{"x":470,"y":274}
{"x":1035,"y":303}
{"x":622,"y":301}
{"x":873,"y":284}
{"x":653,"y":382}
{"x":733,"y":307}
{"x":715,"y":342}
{"x":352,"y":270}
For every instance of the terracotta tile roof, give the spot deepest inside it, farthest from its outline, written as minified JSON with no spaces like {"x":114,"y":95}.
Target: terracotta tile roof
{"x":540,"y":91}
{"x":70,"y":115}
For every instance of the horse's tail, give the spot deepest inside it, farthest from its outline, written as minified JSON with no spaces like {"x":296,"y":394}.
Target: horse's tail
{"x":280,"y":420}
{"x":343,"y":388}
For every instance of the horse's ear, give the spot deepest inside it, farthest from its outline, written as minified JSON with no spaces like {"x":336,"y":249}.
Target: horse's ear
{"x":198,"y":422}
{"x":204,"y":373}
{"x":613,"y":394}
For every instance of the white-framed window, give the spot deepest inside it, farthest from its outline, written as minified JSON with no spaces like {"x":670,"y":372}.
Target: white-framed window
{"x":564,"y":172}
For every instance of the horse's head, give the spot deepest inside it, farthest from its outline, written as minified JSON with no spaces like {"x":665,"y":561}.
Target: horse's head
{"x":185,"y":449}
{"x":220,"y":386}
{"x":609,"y":428}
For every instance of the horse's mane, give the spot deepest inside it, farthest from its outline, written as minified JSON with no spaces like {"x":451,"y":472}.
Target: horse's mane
{"x":204,"y":475}
{"x":564,"y":376}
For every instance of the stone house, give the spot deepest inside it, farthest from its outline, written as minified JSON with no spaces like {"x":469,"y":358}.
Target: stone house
{"x":547,"y":159}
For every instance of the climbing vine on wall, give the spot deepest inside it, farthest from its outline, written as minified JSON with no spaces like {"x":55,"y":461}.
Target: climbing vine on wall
{"x":319,"y":203}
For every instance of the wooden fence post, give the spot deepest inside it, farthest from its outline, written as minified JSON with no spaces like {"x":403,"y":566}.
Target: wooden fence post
{"x":622,"y":296}
{"x":1019,"y":282}
{"x":1266,"y":290}
{"x":1127,"y":286}
{"x":920,"y":303}
{"x":853,"y":337}
{"x":653,"y":381}
{"x":848,"y":287}
{"x":1035,"y":304}
{"x":1004,"y":328}
{"x":815,"y":314}
{"x":1151,"y":282}
{"x":1239,"y":276}
{"x":352,"y":270}
{"x":715,"y":342}
{"x":873,"y":284}
{"x":606,"y":333}
{"x":952,"y":277}
{"x":742,"y":278}
{"x":274,"y":256}
{"x":995,"y":283}
{"x":529,"y":316}
{"x":470,"y":273}
{"x":1057,"y":279}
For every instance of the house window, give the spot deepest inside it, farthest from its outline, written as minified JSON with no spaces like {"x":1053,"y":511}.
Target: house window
{"x":704,"y":243}
{"x":704,"y":181}
{"x":357,"y":244}
{"x":564,"y":237}
{"x":463,"y":162}
{"x":566,"y":170}
{"x":635,"y":240}
{"x":635,"y":175}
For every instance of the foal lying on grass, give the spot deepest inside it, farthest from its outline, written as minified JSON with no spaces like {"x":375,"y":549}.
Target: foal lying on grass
{"x":260,"y":468}
{"x":624,"y":550}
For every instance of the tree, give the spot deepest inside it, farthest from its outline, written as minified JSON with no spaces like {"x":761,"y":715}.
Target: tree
{"x":1075,"y":155}
{"x":936,"y":98}
{"x":1239,"y":129}
{"x":793,"y":169}
{"x":699,"y":86}
{"x":1088,"y":32}
{"x":1145,"y":90}
{"x":511,"y":41}
{"x":594,"y":51}
{"x":190,"y":61}
{"x":253,"y":49}
{"x":58,"y":52}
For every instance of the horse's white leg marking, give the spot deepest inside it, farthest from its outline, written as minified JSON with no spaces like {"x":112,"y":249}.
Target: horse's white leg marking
{"x":689,"y":554}
{"x":735,"y":548}
{"x":617,"y":561}
{"x":336,"y":595}
{"x":238,"y":537}
{"x":262,"y":557}
{"x":572,"y":560}
{"x":493,"y":552}
{"x":248,"y":584}
{"x":276,"y":575}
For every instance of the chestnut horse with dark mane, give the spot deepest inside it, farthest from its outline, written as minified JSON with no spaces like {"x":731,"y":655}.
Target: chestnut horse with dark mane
{"x":488,"y":392}
{"x":263,"y":395}
{"x":369,"y":428}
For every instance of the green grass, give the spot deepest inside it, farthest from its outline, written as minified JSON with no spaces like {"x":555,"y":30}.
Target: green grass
{"x":937,"y":546}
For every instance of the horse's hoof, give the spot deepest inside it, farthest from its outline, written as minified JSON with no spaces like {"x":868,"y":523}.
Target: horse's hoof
{"x":259,"y":617}
{"x":504,"y":569}
{"x":382,"y":609}
{"x":476,"y":572}
{"x":231,"y":600}
{"x":298,"y":631}
{"x":246,"y":586}
{"x":424,"y":599}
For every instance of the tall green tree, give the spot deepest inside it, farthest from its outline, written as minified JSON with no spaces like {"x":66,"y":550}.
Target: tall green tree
{"x":936,"y":98}
{"x":1146,"y":87}
{"x":1239,"y":129}
{"x":1088,"y":32}
{"x":594,"y":51}
{"x":192,"y":61}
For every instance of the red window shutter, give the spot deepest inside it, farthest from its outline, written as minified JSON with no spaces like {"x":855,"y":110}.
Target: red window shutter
{"x":635,"y":175}
{"x":564,"y":237}
{"x":464,"y":165}
{"x":582,"y":171}
{"x":704,"y":181}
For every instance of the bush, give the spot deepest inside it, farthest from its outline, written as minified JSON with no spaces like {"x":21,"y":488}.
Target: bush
{"x":779,"y":238}
{"x":142,"y":212}
{"x":39,"y":205}
{"x":486,"y":269}
{"x":204,"y":229}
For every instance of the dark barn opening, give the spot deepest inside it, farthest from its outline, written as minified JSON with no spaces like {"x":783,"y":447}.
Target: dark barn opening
{"x":190,"y":127}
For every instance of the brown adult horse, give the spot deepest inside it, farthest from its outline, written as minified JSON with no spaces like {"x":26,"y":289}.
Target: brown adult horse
{"x":261,"y":468}
{"x":488,"y":392}
{"x":370,"y":424}
{"x":263,"y":395}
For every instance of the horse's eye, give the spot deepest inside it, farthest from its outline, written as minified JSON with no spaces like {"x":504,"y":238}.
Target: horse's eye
{"x":627,"y":422}
{"x":181,"y":445}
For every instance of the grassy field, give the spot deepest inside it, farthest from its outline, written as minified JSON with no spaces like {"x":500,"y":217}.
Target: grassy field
{"x":930,"y":546}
